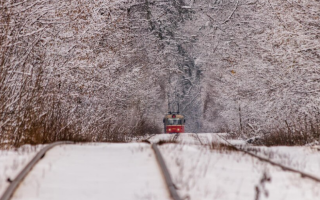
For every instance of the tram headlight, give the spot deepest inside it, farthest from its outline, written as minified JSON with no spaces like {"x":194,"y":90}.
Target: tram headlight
{"x":178,"y":129}
{"x":169,"y":129}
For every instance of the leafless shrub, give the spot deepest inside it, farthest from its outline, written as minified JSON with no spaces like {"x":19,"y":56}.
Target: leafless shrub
{"x":116,"y":138}
{"x":145,"y":127}
{"x":55,"y":87}
{"x":283,"y":138}
{"x":298,"y":133}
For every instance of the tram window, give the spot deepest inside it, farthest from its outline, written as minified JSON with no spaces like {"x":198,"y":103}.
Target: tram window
{"x":174,"y":121}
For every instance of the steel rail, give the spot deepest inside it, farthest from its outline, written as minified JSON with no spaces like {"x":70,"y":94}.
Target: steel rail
{"x":24,"y":172}
{"x":175,"y":137}
{"x":150,"y":136}
{"x":285,"y":168}
{"x":166,"y":174}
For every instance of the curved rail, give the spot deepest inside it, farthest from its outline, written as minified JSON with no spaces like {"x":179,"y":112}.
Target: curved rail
{"x":15,"y":183}
{"x":285,"y":168}
{"x":175,"y":137}
{"x":166,"y":173}
{"x":150,"y":136}
{"x":24,"y":172}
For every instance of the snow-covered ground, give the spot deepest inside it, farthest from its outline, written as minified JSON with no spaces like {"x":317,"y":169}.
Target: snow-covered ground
{"x":95,"y":171}
{"x":12,"y":162}
{"x":305,"y":158}
{"x":218,"y":137}
{"x":130,"y":171}
{"x":161,"y":137}
{"x":201,"y":173}
{"x":184,"y":138}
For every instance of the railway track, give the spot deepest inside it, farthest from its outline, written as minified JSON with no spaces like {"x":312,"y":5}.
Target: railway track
{"x":263,"y":159}
{"x":175,"y":137}
{"x":160,"y":160}
{"x":24,"y":172}
{"x":166,"y":174}
{"x":164,"y":169}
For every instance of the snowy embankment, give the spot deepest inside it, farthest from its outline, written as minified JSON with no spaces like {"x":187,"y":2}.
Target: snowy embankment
{"x":95,"y":171}
{"x":13,"y":161}
{"x":202,"y":173}
{"x":302,"y":158}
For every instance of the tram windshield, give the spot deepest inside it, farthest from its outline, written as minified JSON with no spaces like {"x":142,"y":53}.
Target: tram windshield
{"x":174,"y":121}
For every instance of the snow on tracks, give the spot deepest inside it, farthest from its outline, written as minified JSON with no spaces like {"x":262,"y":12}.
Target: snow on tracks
{"x":166,"y":174}
{"x":198,"y":172}
{"x":202,"y":173}
{"x":23,"y":173}
{"x":95,"y":171}
{"x":12,"y":161}
{"x":270,"y":161}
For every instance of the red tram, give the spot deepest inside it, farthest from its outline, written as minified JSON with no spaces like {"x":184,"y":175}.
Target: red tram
{"x":174,"y":123}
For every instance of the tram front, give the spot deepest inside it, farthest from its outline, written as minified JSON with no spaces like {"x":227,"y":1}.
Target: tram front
{"x":174,"y":123}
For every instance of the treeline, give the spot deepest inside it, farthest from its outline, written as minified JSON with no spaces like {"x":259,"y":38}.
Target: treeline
{"x":261,"y":63}
{"x":78,"y":70}
{"x":106,"y":70}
